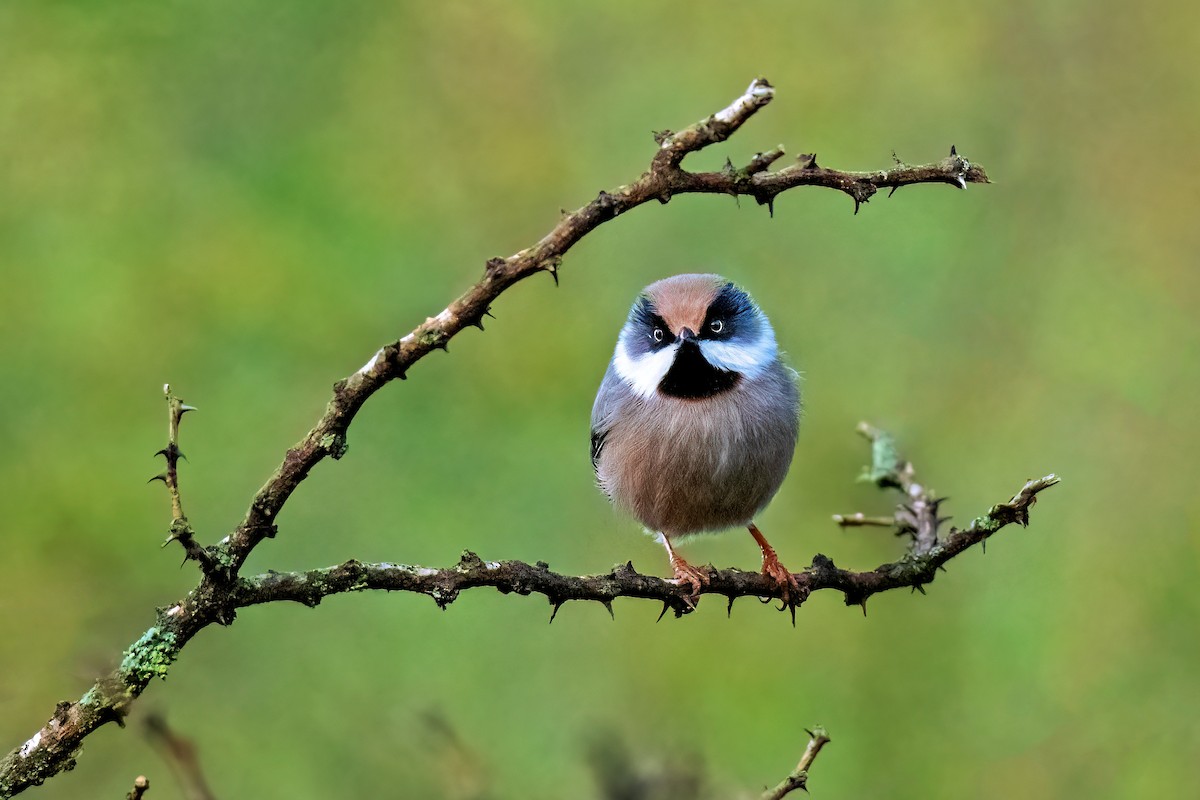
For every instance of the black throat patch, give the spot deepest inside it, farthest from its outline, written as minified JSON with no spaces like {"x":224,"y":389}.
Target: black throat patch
{"x":691,"y":377}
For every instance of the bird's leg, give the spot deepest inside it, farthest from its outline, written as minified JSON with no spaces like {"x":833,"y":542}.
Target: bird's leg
{"x":684,"y":572}
{"x":777,"y":572}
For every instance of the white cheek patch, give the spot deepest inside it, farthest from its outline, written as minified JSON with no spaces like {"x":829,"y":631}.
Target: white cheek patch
{"x":644,"y":374}
{"x":750,"y":359}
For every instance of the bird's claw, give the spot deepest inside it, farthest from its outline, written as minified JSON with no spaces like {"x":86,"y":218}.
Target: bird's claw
{"x":789,"y":588}
{"x":685,"y":573}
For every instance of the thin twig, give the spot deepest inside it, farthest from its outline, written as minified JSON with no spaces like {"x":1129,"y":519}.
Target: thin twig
{"x":180,"y":755}
{"x":917,"y":516}
{"x":140,"y":784}
{"x":623,"y":772}
{"x":181,"y":530}
{"x":798,"y":779}
{"x":461,"y":770}
{"x":214,"y":600}
{"x":860,"y":520}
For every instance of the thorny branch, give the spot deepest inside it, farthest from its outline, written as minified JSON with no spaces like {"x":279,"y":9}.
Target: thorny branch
{"x":181,"y":530}
{"x":917,"y":568}
{"x":798,"y":778}
{"x":221,"y":590}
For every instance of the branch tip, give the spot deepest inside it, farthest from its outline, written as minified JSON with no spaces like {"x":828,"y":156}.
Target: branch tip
{"x":140,"y":785}
{"x":762,"y":161}
{"x":798,"y":778}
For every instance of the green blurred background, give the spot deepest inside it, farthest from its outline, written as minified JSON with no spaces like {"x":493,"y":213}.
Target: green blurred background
{"x":247,"y":199}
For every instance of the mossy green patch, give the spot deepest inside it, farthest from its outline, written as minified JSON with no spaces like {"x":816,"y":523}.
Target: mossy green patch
{"x":432,"y":338}
{"x":885,"y":460}
{"x":335,"y":444}
{"x":150,"y":656}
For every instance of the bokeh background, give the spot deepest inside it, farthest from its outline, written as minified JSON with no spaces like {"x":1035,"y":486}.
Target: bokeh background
{"x":247,"y":198}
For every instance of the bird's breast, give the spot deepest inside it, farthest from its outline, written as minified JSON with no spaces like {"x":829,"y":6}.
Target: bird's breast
{"x":686,"y":465}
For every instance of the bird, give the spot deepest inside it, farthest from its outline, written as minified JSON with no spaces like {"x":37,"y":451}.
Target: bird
{"x":696,"y":420}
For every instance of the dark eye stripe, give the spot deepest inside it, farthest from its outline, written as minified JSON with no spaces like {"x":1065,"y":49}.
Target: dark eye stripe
{"x":644,"y":320}
{"x":733,"y":309}
{"x":658,"y":324}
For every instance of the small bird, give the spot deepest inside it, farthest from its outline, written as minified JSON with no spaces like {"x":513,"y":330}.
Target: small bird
{"x":696,"y":420}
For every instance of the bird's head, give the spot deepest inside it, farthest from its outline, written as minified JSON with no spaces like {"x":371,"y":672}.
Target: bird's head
{"x":693,"y":336}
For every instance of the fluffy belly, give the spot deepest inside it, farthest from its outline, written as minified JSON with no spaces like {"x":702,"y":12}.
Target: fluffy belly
{"x":681,"y":467}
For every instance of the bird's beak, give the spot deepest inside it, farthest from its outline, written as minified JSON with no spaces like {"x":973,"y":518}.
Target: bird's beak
{"x":686,"y":335}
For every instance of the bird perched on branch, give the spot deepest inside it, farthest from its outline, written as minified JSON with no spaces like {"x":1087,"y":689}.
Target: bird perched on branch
{"x":696,"y":419}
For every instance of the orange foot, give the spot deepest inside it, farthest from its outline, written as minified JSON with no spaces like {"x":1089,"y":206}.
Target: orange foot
{"x":789,"y":588}
{"x":685,"y":573}
{"x":781,"y":576}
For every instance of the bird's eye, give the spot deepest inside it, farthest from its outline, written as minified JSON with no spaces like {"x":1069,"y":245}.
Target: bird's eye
{"x":716,"y":326}
{"x":658,"y":334}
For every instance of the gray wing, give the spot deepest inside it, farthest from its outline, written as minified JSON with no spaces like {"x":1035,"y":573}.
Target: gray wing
{"x":612,"y":395}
